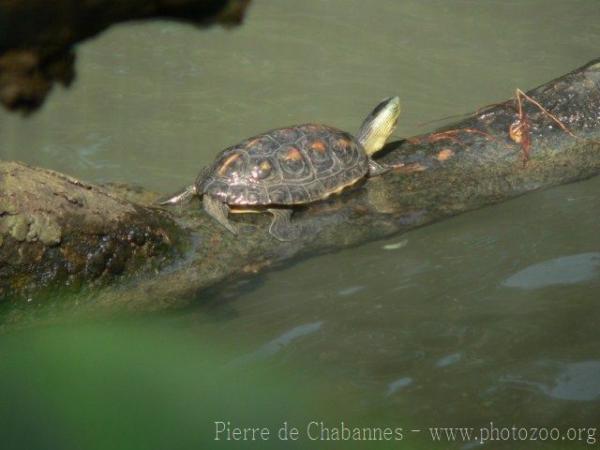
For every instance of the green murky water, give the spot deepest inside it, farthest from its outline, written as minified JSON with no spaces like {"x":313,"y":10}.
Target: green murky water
{"x":490,"y":316}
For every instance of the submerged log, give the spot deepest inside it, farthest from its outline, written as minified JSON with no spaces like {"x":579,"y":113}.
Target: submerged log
{"x":37,"y":36}
{"x":54,"y":225}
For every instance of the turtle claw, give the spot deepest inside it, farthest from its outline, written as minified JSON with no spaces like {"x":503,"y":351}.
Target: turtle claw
{"x":218,"y":211}
{"x":376,"y":169}
{"x":281,"y":227}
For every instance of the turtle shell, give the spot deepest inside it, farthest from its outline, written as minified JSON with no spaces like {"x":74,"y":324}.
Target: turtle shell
{"x":286,"y":166}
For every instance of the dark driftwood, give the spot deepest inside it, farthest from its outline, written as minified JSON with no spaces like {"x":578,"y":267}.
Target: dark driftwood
{"x":37,"y":36}
{"x":461,"y":167}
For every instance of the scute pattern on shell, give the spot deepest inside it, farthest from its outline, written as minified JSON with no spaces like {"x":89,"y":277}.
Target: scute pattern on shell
{"x":286,"y":166}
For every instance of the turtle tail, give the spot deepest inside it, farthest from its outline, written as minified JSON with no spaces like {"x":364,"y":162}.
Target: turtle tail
{"x":181,"y":196}
{"x":379,"y":125}
{"x":190,"y":191}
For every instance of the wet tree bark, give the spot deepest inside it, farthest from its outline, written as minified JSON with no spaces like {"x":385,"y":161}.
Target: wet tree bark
{"x":37,"y":36}
{"x":56,"y":232}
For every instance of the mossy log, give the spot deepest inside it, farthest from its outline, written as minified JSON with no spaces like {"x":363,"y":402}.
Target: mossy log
{"x":57,"y":231}
{"x":37,"y":36}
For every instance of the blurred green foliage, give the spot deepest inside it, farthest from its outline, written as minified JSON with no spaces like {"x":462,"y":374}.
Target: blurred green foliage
{"x":98,"y":387}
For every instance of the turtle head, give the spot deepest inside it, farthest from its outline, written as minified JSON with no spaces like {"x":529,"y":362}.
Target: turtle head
{"x":379,"y":125}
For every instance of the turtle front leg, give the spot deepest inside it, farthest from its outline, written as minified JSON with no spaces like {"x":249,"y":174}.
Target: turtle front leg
{"x":376,"y":169}
{"x":218,"y":211}
{"x":281,"y":228}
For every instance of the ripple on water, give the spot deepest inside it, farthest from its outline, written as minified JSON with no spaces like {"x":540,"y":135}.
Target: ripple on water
{"x":351,"y":290}
{"x":396,"y":245}
{"x":578,"y":381}
{"x":448,"y":360}
{"x":570,"y":269}
{"x":398,"y":384}
{"x":274,"y":346}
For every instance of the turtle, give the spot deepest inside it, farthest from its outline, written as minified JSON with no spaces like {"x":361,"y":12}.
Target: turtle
{"x":285,"y":167}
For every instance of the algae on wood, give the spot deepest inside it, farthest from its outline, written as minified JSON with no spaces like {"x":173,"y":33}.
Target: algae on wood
{"x":58,"y":231}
